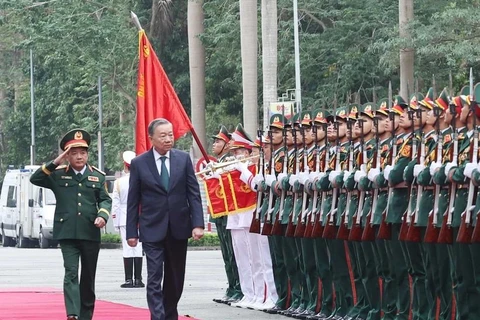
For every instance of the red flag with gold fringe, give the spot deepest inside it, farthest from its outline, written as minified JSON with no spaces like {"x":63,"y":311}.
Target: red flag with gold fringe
{"x":156,"y":97}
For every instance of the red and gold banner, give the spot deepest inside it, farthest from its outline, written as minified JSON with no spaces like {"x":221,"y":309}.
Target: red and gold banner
{"x":229,"y":195}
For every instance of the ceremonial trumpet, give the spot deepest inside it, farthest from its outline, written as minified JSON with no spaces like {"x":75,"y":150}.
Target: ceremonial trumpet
{"x":216,"y":166}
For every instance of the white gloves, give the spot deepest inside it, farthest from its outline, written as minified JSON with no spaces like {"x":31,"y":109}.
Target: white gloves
{"x":373,"y":173}
{"x":303,"y":177}
{"x":417,"y":169}
{"x":258,"y":179}
{"x":434,"y":166}
{"x":359,"y":175}
{"x":269,"y":179}
{"x":468,"y":171}
{"x":346,"y":175}
{"x":320,"y":175}
{"x":449,"y":166}
{"x":386,"y":172}
{"x":293,"y":179}
{"x":281,"y":176}
{"x":312,"y":175}
{"x":333,"y":175}
{"x":241,"y":166}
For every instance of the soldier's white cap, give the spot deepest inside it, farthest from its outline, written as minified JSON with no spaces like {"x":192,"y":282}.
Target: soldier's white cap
{"x":128,"y":156}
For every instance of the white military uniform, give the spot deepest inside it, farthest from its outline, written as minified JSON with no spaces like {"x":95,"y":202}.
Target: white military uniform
{"x":119,"y":213}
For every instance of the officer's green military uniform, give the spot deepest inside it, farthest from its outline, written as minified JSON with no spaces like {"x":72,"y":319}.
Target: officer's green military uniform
{"x":338,"y":261}
{"x":396,"y":208}
{"x":233,"y":292}
{"x":321,"y":253}
{"x":275,"y":241}
{"x":81,"y":199}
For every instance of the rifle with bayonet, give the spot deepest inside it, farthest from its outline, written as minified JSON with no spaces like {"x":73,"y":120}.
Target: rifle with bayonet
{"x":330,"y":229}
{"x":431,"y":233}
{"x":311,"y":218}
{"x":357,"y":230}
{"x":277,"y":224}
{"x":407,"y":217}
{"x":318,"y":226}
{"x":466,"y":227}
{"x":446,"y":231}
{"x":290,"y":231}
{"x":267,"y":222}
{"x":255,"y":225}
{"x":343,"y":231}
{"x":385,"y":229}
{"x":301,"y":221}
{"x":413,"y":233}
{"x":368,"y":231}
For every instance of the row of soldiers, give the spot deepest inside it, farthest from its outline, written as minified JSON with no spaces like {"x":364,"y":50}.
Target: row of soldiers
{"x":370,"y":212}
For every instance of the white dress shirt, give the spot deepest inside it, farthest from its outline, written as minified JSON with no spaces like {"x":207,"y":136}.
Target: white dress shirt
{"x":158,"y":161}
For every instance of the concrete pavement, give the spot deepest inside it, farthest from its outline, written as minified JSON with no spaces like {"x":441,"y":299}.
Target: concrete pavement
{"x":205,"y":279}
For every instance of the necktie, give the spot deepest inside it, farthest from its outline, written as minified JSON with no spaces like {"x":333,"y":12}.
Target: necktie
{"x":164,"y":173}
{"x":79,"y":176}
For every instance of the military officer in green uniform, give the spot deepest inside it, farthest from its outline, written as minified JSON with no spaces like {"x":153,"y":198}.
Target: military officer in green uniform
{"x":221,"y":149}
{"x":82,"y":209}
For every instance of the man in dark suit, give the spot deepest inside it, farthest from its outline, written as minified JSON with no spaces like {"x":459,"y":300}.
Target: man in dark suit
{"x":82,"y":209}
{"x":163,"y":210}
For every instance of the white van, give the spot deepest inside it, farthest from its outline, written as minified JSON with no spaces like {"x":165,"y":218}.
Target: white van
{"x":26,"y":211}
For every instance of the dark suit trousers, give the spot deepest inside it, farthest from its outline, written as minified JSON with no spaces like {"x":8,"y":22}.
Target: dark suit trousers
{"x":169,"y":255}
{"x":79,"y":299}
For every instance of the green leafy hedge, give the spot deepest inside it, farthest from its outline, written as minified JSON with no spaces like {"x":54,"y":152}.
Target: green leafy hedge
{"x":208,"y":240}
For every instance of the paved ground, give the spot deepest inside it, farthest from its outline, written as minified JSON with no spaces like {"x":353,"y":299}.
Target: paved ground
{"x":205,"y":280}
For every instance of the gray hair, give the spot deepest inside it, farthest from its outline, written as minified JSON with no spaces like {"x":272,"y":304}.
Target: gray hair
{"x":155,"y":123}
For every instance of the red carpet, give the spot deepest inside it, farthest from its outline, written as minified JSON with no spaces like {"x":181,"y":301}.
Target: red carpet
{"x":47,"y":304}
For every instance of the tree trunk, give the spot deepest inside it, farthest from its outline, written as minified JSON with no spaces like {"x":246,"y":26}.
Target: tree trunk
{"x":407,"y":55}
{"x":197,"y":71}
{"x":269,"y":56}
{"x":248,"y":31}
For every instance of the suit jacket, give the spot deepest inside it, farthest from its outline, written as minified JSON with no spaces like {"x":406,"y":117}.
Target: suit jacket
{"x":152,"y":210}
{"x":79,"y":200}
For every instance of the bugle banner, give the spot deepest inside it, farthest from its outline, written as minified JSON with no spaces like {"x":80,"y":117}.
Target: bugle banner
{"x":227,"y":194}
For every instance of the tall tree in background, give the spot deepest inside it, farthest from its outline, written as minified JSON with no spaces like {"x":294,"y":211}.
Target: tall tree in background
{"x":407,"y":53}
{"x":197,"y":70}
{"x":248,"y":36}
{"x":269,"y":55}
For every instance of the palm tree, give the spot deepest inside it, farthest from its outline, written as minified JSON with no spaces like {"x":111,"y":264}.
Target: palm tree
{"x":248,"y":32}
{"x":269,"y":55}
{"x":407,"y":55}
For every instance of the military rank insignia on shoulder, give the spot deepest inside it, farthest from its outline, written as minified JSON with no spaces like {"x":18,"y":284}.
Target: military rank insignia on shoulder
{"x":98,"y":170}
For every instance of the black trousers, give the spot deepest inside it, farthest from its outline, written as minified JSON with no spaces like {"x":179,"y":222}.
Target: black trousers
{"x":79,"y":297}
{"x":169,"y":255}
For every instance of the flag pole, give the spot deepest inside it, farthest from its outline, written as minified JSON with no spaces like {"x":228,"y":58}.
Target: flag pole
{"x":192,"y":130}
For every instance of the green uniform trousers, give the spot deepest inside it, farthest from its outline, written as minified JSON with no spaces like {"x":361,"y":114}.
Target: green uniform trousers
{"x":79,"y":297}
{"x":340,"y":276}
{"x":385,"y":272}
{"x":398,"y":264}
{"x":225,"y":237}
{"x":291,"y":258}
{"x":279,"y":270}
{"x":361,"y":305}
{"x":310,"y":273}
{"x":324,"y":273}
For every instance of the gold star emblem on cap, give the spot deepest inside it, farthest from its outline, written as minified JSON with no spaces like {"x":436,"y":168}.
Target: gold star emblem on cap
{"x":78,"y":135}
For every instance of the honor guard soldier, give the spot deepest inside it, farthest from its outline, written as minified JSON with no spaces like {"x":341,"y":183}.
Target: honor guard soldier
{"x":82,"y":209}
{"x":221,"y":149}
{"x":132,"y":256}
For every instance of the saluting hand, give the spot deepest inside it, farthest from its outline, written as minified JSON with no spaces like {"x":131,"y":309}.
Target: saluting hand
{"x":61,"y":157}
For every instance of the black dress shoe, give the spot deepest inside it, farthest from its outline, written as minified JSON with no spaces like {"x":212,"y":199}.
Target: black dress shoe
{"x":334,"y":317}
{"x":72,"y":318}
{"x":305,"y":314}
{"x":274,"y":310}
{"x":318,"y":316}
{"x":127,"y":284}
{"x":138,"y":283}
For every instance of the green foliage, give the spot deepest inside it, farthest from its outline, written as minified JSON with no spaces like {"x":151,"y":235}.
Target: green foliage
{"x":346,"y":47}
{"x":111,"y":238}
{"x":208,"y":240}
